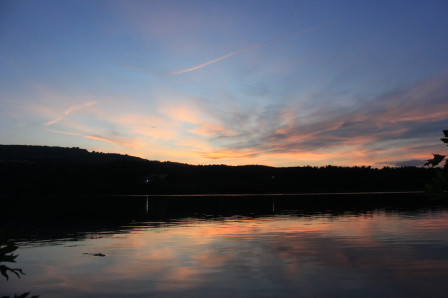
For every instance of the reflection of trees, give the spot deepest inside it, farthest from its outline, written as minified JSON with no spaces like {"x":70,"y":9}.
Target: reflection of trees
{"x":7,"y":249}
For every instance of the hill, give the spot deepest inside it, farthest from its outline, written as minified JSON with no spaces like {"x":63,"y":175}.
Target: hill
{"x":56,"y":170}
{"x":40,"y":154}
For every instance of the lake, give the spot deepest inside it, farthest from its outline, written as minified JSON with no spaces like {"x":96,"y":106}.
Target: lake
{"x":281,"y":249}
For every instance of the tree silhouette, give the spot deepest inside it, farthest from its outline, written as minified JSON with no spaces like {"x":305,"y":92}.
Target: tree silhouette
{"x":438,"y":158}
{"x":7,"y":256}
{"x":7,"y":249}
{"x":440,"y":183}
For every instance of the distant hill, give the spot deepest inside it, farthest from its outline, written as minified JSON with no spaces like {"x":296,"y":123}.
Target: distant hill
{"x":35,"y":154}
{"x":56,"y":170}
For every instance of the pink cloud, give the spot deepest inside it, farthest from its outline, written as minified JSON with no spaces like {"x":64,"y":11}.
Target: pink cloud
{"x":93,"y":137}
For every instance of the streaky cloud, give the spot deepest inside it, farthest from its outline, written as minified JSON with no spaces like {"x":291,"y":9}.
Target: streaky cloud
{"x":228,"y":154}
{"x":180,"y":71}
{"x":394,"y":124}
{"x":71,"y":110}
{"x":93,"y":137}
{"x":404,"y":163}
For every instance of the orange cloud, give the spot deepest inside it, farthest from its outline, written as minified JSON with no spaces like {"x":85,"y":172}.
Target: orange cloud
{"x":93,"y":137}
{"x":211,"y":130}
{"x":178,"y":111}
{"x":227,"y":154}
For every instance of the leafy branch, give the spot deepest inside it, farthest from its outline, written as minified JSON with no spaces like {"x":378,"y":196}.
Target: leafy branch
{"x":440,"y":183}
{"x":6,"y":256}
{"x":7,"y":248}
{"x":438,"y":158}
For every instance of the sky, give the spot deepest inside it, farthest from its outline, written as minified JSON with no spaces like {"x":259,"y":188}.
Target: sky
{"x":278,"y":83}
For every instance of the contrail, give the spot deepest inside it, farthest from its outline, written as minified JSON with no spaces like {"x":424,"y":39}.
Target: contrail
{"x":71,"y":110}
{"x":176,"y":72}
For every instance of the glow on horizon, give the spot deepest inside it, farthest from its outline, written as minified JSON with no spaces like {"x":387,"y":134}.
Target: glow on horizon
{"x":315,"y":84}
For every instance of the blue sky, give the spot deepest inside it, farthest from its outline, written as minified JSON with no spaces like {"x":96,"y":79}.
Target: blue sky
{"x":281,"y":83}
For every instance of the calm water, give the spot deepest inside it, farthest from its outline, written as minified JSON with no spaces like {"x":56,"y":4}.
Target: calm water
{"x":281,"y":253}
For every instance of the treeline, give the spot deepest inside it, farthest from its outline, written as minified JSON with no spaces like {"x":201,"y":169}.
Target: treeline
{"x":56,"y":170}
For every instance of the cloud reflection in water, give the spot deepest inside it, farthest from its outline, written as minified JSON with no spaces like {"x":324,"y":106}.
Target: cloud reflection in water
{"x":370,"y":254}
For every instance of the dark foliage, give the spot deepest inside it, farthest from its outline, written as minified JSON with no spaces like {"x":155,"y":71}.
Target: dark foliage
{"x":439,"y":184}
{"x":55,"y":170}
{"x":7,"y":249}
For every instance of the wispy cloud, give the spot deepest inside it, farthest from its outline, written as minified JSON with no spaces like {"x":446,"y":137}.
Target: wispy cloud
{"x":400,"y":125}
{"x":228,"y":154}
{"x":93,"y":137}
{"x":180,"y":71}
{"x":71,"y":110}
{"x":397,"y":126}
{"x":404,"y":163}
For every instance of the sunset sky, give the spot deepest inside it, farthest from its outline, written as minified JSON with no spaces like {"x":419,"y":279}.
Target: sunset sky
{"x":280,"y":83}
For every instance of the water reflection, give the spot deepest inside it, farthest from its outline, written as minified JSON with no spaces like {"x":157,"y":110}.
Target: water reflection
{"x":295,"y":252}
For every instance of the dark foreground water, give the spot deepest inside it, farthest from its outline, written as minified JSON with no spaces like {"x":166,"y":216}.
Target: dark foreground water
{"x":306,"y":251}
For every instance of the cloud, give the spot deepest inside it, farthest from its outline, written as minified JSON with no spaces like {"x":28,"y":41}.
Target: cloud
{"x":71,"y":110}
{"x":93,"y":137}
{"x":404,"y":163}
{"x":228,"y":154}
{"x":405,"y":122}
{"x":397,"y":126}
{"x":180,"y":71}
